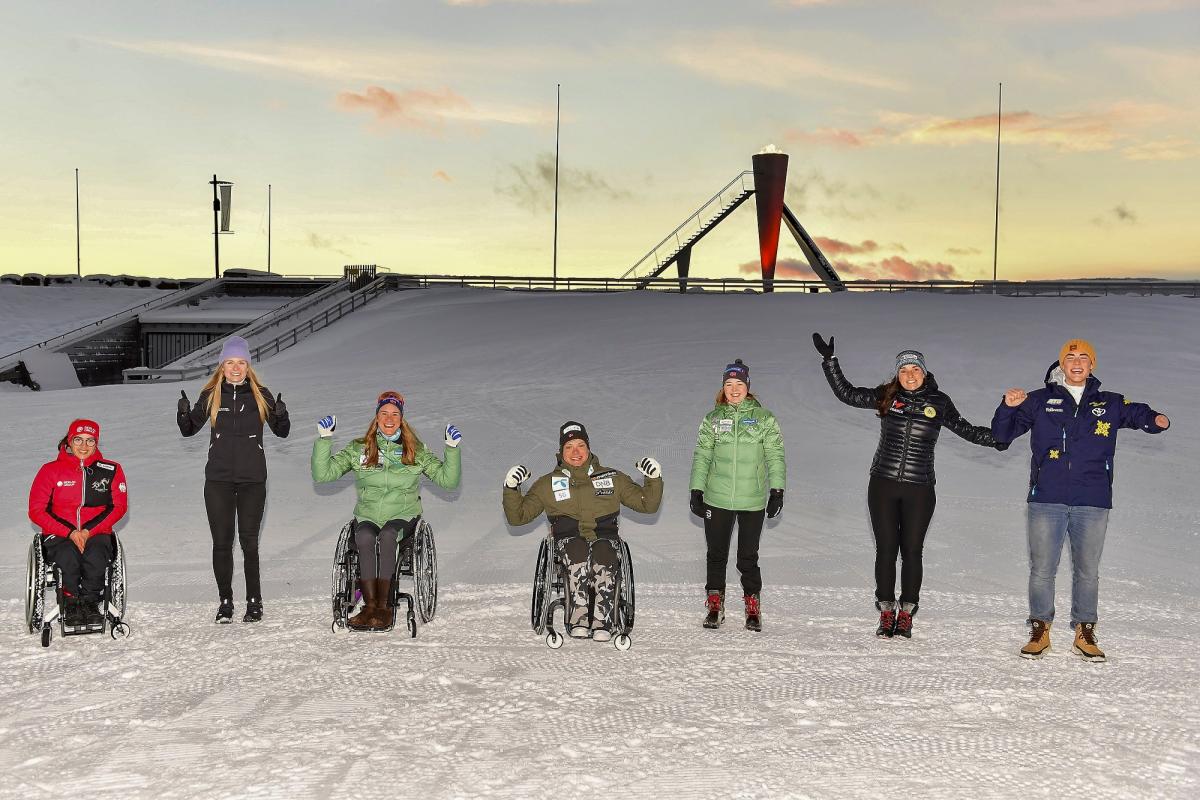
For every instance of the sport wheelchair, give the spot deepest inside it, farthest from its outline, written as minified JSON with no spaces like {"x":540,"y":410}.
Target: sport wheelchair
{"x":43,"y":575}
{"x":418,"y":561}
{"x":549,"y":595}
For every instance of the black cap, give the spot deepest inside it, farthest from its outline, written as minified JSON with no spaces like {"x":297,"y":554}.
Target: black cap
{"x":572,"y":430}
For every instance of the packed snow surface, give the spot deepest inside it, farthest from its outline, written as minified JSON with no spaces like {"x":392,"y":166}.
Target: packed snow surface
{"x":32,"y":314}
{"x":476,"y":705}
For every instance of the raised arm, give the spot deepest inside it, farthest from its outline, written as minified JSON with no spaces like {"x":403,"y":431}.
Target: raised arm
{"x":277,"y":415}
{"x":848,"y":393}
{"x":522,"y":509}
{"x":445,"y":474}
{"x":1014,"y":416}
{"x":645,"y":499}
{"x":191,"y":420}
{"x":328,"y":468}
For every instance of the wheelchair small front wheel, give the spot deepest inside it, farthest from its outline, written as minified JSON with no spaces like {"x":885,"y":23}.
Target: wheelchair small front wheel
{"x":412,"y":625}
{"x":554,"y":640}
{"x":121,"y":630}
{"x":622,"y":642}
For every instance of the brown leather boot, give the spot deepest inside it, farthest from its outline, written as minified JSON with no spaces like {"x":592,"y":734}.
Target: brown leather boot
{"x":364,"y":619}
{"x":1039,"y":640}
{"x":383,"y":612}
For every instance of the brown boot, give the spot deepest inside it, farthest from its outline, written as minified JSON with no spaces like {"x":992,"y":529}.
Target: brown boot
{"x":383,"y":611}
{"x":364,"y":619}
{"x":1039,"y":640}
{"x":1085,"y":642}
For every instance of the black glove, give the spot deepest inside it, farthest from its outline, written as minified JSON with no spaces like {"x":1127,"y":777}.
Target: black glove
{"x":184,"y":405}
{"x":775,"y":502}
{"x":280,"y":406}
{"x":823,"y":347}
{"x":697,"y":502}
{"x":1001,"y":446}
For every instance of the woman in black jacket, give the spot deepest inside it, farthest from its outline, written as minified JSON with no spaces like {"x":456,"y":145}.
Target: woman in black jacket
{"x":900,"y":496}
{"x":235,"y":405}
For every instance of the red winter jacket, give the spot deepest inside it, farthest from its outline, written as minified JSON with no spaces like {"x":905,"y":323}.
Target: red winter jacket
{"x":69,"y":493}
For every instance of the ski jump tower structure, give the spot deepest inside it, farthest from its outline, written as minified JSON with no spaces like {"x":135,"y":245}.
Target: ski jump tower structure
{"x":767,"y":181}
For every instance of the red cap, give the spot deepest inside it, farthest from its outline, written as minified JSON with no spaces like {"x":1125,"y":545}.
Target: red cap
{"x":83,"y":427}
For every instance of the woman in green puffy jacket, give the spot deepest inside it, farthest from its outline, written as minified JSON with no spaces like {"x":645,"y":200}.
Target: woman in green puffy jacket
{"x":738,"y":475}
{"x":388,"y":462}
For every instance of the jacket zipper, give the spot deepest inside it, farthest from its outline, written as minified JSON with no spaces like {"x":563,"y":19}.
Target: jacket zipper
{"x":82,"y":495}
{"x":904,"y":447}
{"x":736,"y":425}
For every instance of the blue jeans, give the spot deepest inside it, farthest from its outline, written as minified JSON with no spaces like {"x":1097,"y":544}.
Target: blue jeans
{"x":1048,"y":525}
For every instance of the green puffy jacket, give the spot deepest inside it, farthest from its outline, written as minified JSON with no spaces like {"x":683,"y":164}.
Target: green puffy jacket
{"x":739,"y":456}
{"x":391,"y":490}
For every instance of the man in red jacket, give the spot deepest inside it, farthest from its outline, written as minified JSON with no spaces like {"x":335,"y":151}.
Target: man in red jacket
{"x":76,"y":499}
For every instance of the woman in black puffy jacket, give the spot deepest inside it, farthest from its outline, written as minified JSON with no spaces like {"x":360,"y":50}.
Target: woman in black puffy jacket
{"x":912,"y":411}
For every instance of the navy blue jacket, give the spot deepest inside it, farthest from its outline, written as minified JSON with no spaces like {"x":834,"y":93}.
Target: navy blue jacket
{"x":1073,"y":445}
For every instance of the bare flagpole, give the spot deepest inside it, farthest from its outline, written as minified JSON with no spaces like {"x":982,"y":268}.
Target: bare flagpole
{"x":268,"y":228}
{"x":996,"y":229}
{"x":557,"y":120}
{"x":78,"y":262}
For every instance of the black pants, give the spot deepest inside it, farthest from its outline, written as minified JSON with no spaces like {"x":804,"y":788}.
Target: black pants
{"x":718,"y":533}
{"x":377,"y":546}
{"x":900,"y":515}
{"x":225,"y":502}
{"x":82,"y":573}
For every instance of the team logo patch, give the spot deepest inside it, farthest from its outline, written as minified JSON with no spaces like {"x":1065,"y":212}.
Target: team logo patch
{"x":750,"y":421}
{"x":603,"y":492}
{"x":723,"y":426}
{"x":897,"y":405}
{"x":101,"y":485}
{"x":1099,"y":412}
{"x":561,"y":486}
{"x":602,"y":483}
{"x":1095,"y":403}
{"x":102,"y":465}
{"x":1054,"y":401}
{"x":1102,"y":428}
{"x":930,"y":412}
{"x":1054,"y":454}
{"x":121,"y":487}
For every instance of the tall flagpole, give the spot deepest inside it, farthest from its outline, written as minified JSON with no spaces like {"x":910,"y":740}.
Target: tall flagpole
{"x":268,"y":228}
{"x":996,"y":230}
{"x":78,"y":262}
{"x":557,"y":120}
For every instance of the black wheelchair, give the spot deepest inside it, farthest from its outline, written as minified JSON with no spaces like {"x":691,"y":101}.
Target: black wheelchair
{"x":45,"y":580}
{"x":417,"y":561}
{"x":550,"y":595}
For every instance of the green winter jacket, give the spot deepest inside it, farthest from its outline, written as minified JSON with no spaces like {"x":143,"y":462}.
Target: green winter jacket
{"x":391,"y":490}
{"x":739,"y":456}
{"x":583,"y":501}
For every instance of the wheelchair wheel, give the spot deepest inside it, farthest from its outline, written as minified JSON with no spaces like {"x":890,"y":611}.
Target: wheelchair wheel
{"x":343,"y":577}
{"x":622,"y":642}
{"x":118,"y":577}
{"x":35,"y":594}
{"x":625,"y":602}
{"x":543,"y":581}
{"x":425,"y":572}
{"x":554,"y":639}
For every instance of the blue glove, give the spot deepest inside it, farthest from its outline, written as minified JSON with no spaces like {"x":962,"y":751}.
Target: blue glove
{"x":325,"y":426}
{"x":453,"y":437}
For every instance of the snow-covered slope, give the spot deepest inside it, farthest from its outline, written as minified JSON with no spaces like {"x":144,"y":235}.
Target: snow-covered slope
{"x":815,"y":706}
{"x":33,"y":314}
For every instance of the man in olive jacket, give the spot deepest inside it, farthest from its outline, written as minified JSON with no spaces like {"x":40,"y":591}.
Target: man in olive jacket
{"x":582,"y":500}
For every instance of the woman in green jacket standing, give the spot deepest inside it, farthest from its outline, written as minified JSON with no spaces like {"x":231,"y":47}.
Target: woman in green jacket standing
{"x":738,"y":475}
{"x":388,"y":462}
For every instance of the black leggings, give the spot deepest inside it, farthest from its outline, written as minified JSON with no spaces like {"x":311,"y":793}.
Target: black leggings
{"x":225,"y":502}
{"x":900,"y":515}
{"x":377,"y":547}
{"x":82,"y":573}
{"x":718,"y":533}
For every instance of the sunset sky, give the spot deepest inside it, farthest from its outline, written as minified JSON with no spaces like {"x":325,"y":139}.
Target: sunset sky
{"x":419,"y":135}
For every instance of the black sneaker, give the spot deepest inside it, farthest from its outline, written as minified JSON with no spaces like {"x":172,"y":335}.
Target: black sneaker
{"x":253,"y":611}
{"x":224,"y":613}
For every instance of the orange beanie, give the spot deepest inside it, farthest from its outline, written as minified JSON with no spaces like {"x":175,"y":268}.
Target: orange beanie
{"x":1078,"y":346}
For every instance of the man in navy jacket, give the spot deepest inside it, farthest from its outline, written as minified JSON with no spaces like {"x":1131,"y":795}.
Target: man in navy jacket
{"x":1074,"y":440}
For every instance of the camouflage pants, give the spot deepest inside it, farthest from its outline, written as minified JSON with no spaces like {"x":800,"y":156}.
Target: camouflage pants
{"x":591,"y":569}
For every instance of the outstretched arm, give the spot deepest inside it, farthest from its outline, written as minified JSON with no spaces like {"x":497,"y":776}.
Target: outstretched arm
{"x":522,"y":509}
{"x":1142,"y":417}
{"x":976,"y":434}
{"x":645,"y":499}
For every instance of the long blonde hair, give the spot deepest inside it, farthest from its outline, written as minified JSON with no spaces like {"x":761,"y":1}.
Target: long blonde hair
{"x":213,"y":387}
{"x":410,"y":444}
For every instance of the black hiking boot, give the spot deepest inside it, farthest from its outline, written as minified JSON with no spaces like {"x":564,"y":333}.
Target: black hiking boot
{"x":253,"y":611}
{"x":716,"y":609}
{"x":93,"y":613}
{"x":904,"y":619}
{"x":753,"y":616}
{"x":887,"y":618}
{"x":72,"y":611}
{"x":224,"y":612}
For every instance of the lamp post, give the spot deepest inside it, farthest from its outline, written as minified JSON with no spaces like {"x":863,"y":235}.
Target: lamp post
{"x":218,"y":219}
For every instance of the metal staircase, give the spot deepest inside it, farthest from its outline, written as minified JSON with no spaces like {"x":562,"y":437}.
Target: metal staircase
{"x":692,"y":229}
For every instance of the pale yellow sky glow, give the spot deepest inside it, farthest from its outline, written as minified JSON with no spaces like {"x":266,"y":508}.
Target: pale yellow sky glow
{"x":420,"y":136}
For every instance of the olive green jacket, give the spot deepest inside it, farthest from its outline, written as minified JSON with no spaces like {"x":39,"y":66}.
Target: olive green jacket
{"x":582,"y":500}
{"x":738,"y":457}
{"x":392,"y":489}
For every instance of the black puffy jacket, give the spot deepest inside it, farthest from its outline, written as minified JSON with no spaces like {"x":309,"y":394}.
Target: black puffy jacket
{"x":235,"y":450}
{"x":909,"y":430}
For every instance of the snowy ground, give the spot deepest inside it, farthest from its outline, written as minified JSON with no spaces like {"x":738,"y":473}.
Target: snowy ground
{"x":477,"y":706}
{"x":33,"y":314}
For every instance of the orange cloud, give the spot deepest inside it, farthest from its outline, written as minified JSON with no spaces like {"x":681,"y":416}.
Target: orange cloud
{"x":836,"y":247}
{"x":892,"y":268}
{"x":1107,"y":129}
{"x":416,"y":108}
{"x":441,"y":175}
